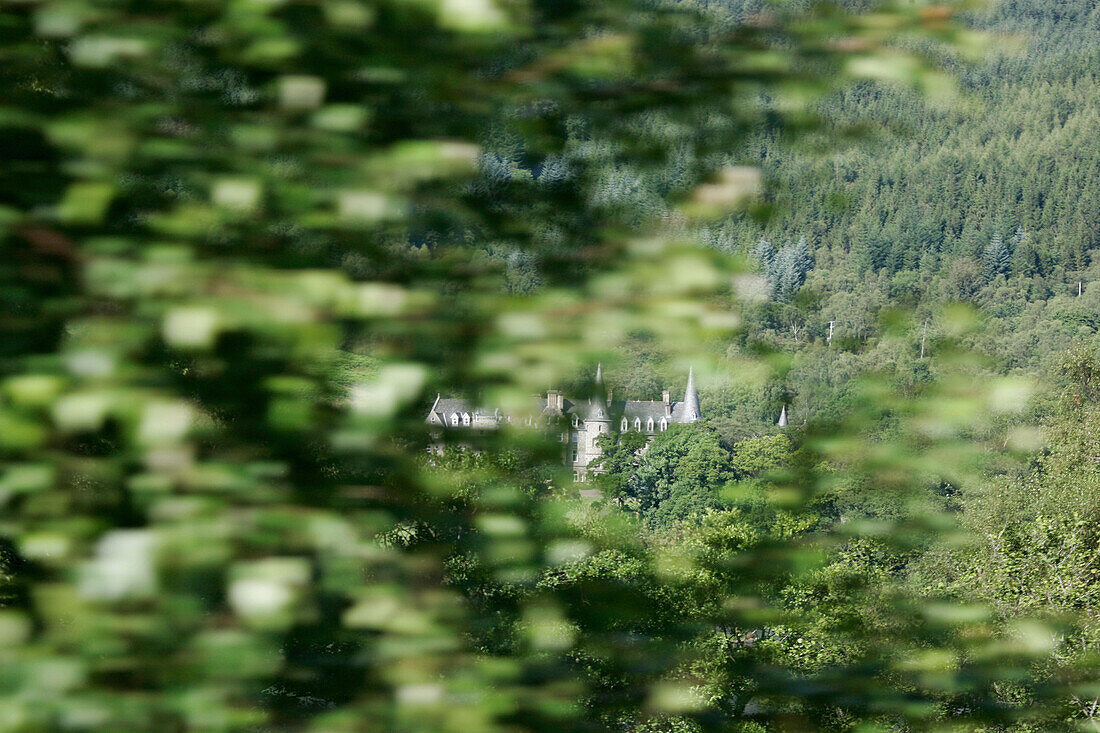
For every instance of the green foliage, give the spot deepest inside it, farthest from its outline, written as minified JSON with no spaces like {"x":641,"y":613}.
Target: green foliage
{"x":618,"y":464}
{"x":984,"y":197}
{"x":754,"y":456}
{"x":1032,"y":549}
{"x":682,"y":473}
{"x":246,"y":241}
{"x":996,"y":259}
{"x":785,"y":268}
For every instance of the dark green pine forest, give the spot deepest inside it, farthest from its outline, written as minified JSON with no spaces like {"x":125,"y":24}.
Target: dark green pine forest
{"x":903,"y":202}
{"x":988,"y":196}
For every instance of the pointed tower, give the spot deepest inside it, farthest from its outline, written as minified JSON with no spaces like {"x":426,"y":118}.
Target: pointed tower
{"x":783,"y":417}
{"x":692,"y":413}
{"x":597,"y":422}
{"x":598,"y":409}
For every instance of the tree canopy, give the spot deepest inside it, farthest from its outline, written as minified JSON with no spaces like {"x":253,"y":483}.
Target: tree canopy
{"x":245,"y":241}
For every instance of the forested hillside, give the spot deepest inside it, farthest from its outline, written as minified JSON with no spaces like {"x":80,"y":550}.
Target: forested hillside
{"x":1014,"y":163}
{"x":989,"y":197}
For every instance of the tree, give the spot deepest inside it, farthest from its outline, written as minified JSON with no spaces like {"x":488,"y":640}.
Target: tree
{"x":1035,"y":549}
{"x":1025,"y":257}
{"x":996,"y":259}
{"x":754,"y":456}
{"x":765,"y":253}
{"x":616,"y":467}
{"x":681,"y":474}
{"x":785,"y":268}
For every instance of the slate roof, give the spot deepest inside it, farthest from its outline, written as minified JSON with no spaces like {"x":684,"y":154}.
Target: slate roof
{"x":445,"y":407}
{"x":644,"y":409}
{"x":681,"y":412}
{"x":594,"y":408}
{"x":450,"y":405}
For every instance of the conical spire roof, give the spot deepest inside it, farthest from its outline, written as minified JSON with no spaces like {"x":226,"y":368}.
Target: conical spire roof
{"x":597,"y":403}
{"x":691,"y":399}
{"x":597,"y":410}
{"x":783,"y":417}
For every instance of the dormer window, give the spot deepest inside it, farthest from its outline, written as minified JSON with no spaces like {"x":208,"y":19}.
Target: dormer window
{"x":454,"y":419}
{"x":664,"y":425}
{"x":576,"y":421}
{"x":638,"y":424}
{"x":465,"y":418}
{"x":625,"y":426}
{"x":649,"y":426}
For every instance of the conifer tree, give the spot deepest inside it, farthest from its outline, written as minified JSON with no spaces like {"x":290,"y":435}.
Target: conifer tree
{"x":996,"y":259}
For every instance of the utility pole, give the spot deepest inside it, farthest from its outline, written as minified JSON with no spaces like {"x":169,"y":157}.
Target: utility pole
{"x":1078,"y":288}
{"x":923,"y":337}
{"x":830,"y":339}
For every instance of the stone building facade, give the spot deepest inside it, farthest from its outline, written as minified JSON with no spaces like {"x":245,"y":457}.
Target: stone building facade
{"x":585,"y":419}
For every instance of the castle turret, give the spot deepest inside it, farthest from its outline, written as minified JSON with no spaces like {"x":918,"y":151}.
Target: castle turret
{"x":692,"y":413}
{"x":598,"y":408}
{"x":783,"y":417}
{"x":597,"y":422}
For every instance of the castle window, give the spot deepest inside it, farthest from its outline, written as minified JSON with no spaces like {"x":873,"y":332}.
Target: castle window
{"x":465,"y":419}
{"x":664,"y":425}
{"x":649,"y":426}
{"x":454,"y":419}
{"x":573,"y":437}
{"x":638,"y":423}
{"x":625,"y":426}
{"x":574,"y":455}
{"x":576,"y":477}
{"x":576,"y":421}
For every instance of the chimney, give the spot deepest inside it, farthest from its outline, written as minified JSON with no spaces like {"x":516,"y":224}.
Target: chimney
{"x":666,"y":397}
{"x":555,"y":400}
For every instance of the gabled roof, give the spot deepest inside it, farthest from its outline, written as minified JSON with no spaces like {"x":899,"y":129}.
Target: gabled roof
{"x":450,"y":405}
{"x":444,"y":407}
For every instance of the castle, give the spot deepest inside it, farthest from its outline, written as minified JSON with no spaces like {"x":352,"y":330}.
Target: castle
{"x":586,"y":419}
